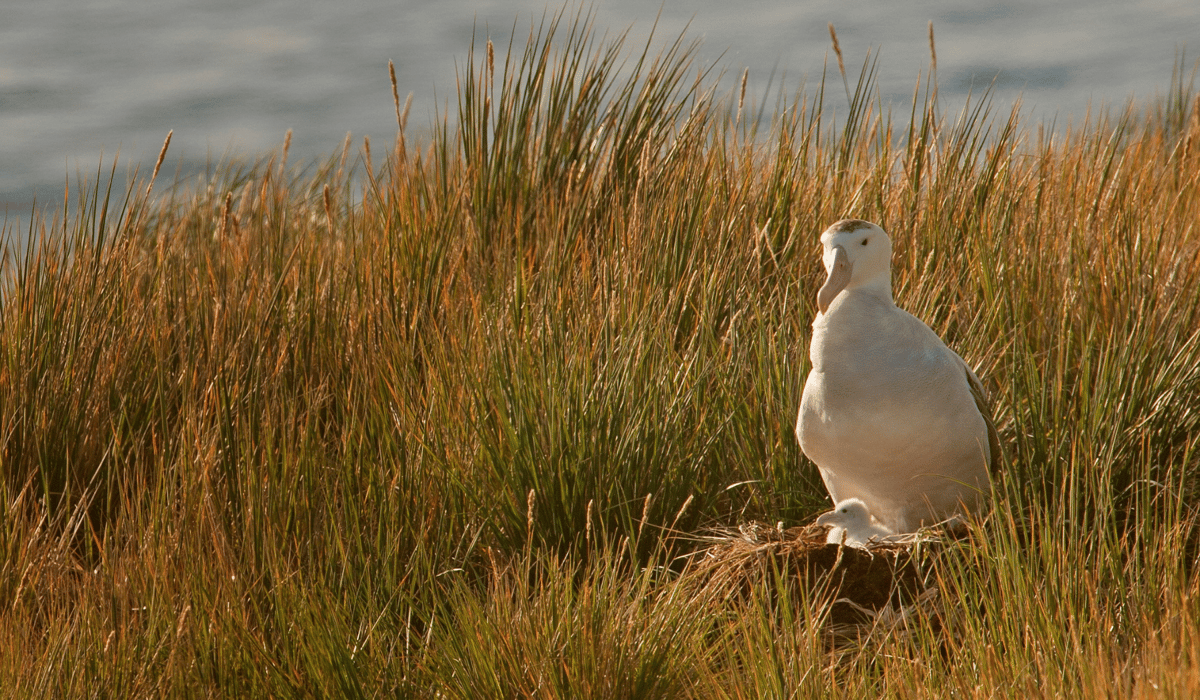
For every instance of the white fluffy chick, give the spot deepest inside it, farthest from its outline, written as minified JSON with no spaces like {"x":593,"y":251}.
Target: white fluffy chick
{"x":852,"y":525}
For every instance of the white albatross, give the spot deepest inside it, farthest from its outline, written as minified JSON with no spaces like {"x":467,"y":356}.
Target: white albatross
{"x":890,"y":415}
{"x":851,"y":525}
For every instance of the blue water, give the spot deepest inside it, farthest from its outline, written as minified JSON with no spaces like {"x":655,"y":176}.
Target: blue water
{"x":84,"y":79}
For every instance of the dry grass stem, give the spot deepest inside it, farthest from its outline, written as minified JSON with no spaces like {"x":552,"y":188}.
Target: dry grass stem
{"x":932,"y":49}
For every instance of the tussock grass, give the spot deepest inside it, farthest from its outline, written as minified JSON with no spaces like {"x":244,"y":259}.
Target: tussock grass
{"x":446,"y":419}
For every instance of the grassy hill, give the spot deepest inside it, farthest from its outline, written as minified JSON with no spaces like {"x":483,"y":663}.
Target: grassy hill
{"x":453,"y":419}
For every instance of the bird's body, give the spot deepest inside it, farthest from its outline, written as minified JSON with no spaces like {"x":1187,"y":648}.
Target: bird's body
{"x":890,"y":415}
{"x":850,"y":524}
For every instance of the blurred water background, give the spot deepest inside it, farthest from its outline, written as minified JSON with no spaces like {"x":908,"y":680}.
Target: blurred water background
{"x":81,"y":80}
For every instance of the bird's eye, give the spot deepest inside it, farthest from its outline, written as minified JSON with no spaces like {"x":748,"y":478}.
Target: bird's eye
{"x":864,"y":242}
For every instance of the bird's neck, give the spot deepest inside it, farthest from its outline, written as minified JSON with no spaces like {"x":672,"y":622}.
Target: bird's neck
{"x":878,"y":287}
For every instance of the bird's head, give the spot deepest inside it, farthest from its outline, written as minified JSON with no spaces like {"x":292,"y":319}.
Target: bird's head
{"x":850,"y":513}
{"x":857,"y":254}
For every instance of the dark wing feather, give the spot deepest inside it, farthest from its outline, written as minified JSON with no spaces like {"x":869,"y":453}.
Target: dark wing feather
{"x":980,"y":397}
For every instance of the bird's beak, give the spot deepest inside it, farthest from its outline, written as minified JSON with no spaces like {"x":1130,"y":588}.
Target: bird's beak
{"x":825,"y":518}
{"x":839,"y":277}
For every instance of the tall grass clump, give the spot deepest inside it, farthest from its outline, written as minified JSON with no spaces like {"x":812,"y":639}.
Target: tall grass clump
{"x":453,"y":417}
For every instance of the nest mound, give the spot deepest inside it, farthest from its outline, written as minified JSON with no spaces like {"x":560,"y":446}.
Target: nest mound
{"x":885,"y":583}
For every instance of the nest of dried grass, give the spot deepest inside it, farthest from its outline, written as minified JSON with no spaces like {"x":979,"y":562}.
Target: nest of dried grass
{"x":885,"y":584}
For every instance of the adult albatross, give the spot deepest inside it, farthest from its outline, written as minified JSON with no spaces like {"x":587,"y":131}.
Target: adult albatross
{"x":890,"y":415}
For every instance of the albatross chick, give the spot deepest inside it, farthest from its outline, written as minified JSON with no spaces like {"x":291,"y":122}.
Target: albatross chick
{"x":851,"y":525}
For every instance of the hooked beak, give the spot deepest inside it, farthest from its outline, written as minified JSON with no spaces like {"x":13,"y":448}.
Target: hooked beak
{"x":839,"y":277}
{"x":826,"y":518}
